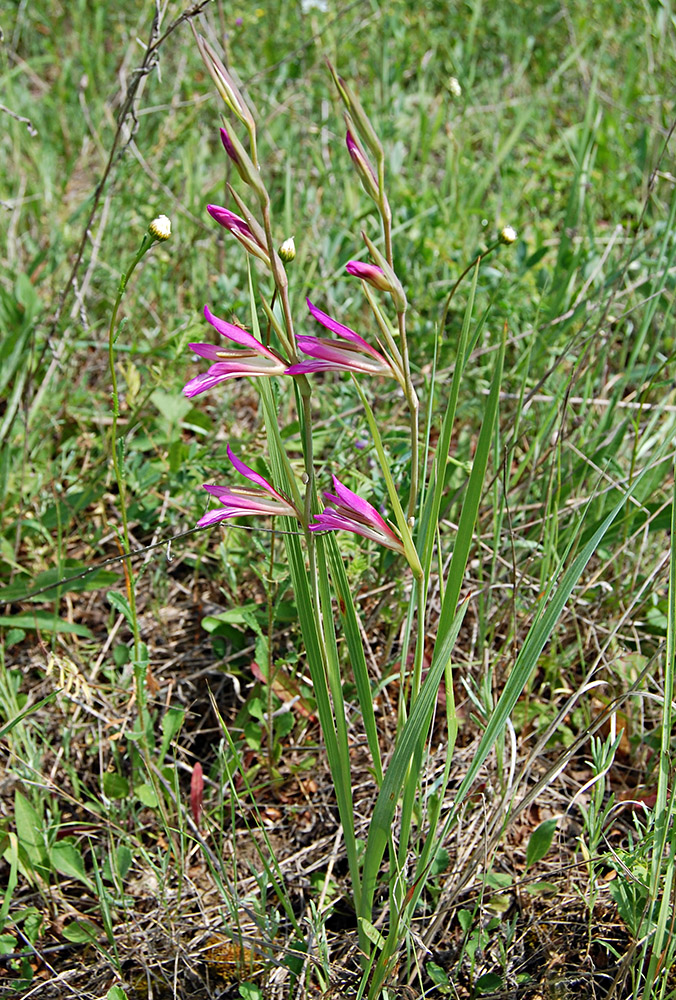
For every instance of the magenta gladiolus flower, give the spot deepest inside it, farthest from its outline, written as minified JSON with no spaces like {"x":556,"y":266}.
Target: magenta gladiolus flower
{"x":350,"y":513}
{"x":243,"y":501}
{"x":354,"y":356}
{"x":256,"y":360}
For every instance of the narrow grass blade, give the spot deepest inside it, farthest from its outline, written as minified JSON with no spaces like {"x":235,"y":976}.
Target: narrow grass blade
{"x":470,"y":509}
{"x":355,"y":648}
{"x":430,"y":513}
{"x":538,"y":635}
{"x":664,"y":803}
{"x":413,"y":735}
{"x":9,"y":726}
{"x":398,"y":510}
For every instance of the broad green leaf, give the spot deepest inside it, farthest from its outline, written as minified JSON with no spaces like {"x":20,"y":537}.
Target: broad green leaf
{"x":172,"y":721}
{"x":120,"y":603}
{"x":115,"y":786}
{"x":80,"y":932}
{"x":437,"y":974}
{"x":43,"y":621}
{"x":146,"y":795}
{"x":65,"y":857}
{"x":29,"y":827}
{"x":540,"y":841}
{"x":488,"y":983}
{"x":372,"y":933}
{"x":116,"y":993}
{"x":8,"y":944}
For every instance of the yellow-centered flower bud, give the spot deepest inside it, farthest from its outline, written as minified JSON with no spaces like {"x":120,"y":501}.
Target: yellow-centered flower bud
{"x":287,"y":251}
{"x":160,"y":228}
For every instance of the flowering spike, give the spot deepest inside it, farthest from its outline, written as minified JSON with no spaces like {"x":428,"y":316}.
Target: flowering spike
{"x":256,"y":360}
{"x":349,"y":512}
{"x":243,"y":501}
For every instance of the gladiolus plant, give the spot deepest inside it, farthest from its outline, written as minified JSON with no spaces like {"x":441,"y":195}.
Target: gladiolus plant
{"x":411,"y":818}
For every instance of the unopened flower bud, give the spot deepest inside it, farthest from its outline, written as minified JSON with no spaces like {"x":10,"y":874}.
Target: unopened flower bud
{"x":454,"y":87}
{"x":369,"y":272}
{"x":245,"y":168}
{"x":365,"y":170}
{"x":287,"y":251}
{"x":389,"y":281}
{"x":160,"y":228}
{"x":508,"y":235}
{"x":225,"y":84}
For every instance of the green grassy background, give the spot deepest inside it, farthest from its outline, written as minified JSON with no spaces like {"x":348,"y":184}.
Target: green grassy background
{"x":561,"y":130}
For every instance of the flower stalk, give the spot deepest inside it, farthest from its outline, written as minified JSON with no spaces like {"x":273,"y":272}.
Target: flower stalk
{"x":159,"y":230}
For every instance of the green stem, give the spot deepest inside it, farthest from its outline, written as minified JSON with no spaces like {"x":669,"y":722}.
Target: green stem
{"x":479,"y":257}
{"x":414,"y":408}
{"x":280,"y":279}
{"x":117,"y":464}
{"x":271,"y":595}
{"x":308,"y":453}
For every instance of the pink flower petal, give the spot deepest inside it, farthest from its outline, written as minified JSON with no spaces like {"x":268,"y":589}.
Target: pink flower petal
{"x":362,"y":507}
{"x":334,"y":326}
{"x":237,"y":334}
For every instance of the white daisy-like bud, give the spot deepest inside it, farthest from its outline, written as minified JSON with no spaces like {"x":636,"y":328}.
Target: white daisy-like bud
{"x":160,"y":228}
{"x":508,"y":235}
{"x":287,"y":251}
{"x":454,"y":86}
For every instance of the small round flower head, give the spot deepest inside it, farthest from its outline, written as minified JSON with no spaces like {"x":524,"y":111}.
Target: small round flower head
{"x":508,"y":235}
{"x":287,"y":251}
{"x":454,"y":86}
{"x":160,"y":228}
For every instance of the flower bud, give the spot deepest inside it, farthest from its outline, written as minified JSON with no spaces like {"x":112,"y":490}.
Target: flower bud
{"x":160,"y":228}
{"x":249,"y":173}
{"x":225,"y":85}
{"x":454,"y":86}
{"x":287,"y":251}
{"x":359,"y":116}
{"x":508,"y":235}
{"x":369,"y":272}
{"x":394,"y":286}
{"x":366,"y":172}
{"x":241,"y":231}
